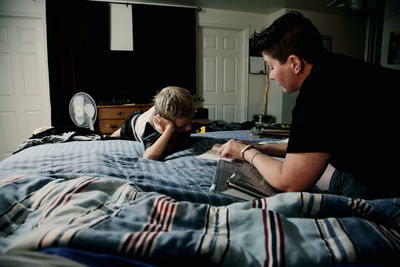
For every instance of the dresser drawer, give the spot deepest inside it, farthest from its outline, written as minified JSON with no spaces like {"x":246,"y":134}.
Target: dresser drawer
{"x":111,"y":117}
{"x":108,"y":126}
{"x":116,"y":113}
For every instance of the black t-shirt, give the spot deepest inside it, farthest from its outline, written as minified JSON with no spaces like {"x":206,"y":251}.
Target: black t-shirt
{"x":345,"y":107}
{"x":179,"y":140}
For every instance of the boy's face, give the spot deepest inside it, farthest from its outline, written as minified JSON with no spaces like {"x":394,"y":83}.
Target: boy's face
{"x":183,"y":124}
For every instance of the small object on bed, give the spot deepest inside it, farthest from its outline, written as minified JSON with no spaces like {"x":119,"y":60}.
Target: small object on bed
{"x":276,"y":130}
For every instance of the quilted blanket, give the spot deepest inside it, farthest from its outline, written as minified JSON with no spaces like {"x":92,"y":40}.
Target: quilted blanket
{"x":110,"y":215}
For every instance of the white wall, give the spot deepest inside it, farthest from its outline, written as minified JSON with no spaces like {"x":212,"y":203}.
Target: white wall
{"x":348,"y":36}
{"x":23,"y":7}
{"x":391,"y":24}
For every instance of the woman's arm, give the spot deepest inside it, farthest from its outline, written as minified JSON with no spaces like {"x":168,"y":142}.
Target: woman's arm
{"x":298,"y":172}
{"x":269,"y":149}
{"x":272,"y":149}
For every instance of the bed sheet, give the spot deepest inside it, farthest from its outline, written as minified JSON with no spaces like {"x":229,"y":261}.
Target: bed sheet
{"x":181,"y":175}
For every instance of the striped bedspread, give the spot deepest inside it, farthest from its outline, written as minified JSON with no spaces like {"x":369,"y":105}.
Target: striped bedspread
{"x":101,"y":196}
{"x":110,"y":215}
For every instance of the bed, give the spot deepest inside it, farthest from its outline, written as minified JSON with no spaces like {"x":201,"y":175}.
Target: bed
{"x":99,"y":202}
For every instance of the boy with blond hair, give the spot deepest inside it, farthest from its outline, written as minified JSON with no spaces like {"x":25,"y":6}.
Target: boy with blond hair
{"x":165,"y":127}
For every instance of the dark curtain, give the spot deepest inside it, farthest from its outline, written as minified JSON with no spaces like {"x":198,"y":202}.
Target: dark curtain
{"x":79,"y":58}
{"x":70,"y":38}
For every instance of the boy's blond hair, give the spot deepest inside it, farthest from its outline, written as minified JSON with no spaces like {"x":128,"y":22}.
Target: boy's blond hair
{"x":174,"y":102}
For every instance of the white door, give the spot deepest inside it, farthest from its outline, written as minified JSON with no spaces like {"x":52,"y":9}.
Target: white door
{"x":24,"y":86}
{"x":223,"y":73}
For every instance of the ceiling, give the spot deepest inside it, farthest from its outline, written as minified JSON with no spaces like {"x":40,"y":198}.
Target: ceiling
{"x":335,"y":7}
{"x":257,"y":6}
{"x":270,"y":6}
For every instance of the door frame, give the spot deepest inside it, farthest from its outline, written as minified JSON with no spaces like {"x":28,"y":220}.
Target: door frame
{"x":245,"y":31}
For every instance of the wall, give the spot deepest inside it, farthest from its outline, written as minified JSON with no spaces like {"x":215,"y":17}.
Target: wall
{"x":23,"y":8}
{"x":348,"y":35}
{"x":391,"y":24}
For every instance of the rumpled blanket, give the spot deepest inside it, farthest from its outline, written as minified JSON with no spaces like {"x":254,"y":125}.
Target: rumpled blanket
{"x":48,"y":135}
{"x":110,"y":215}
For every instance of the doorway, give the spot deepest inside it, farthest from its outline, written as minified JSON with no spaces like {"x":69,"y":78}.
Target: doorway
{"x":223,"y":72}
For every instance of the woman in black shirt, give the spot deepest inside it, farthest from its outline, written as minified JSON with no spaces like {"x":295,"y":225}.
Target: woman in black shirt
{"x":342,"y":108}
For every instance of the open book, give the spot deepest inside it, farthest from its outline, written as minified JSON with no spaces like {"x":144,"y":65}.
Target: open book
{"x":241,"y":180}
{"x":212,"y":154}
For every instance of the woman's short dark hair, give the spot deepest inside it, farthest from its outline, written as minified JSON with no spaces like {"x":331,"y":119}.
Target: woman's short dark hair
{"x":290,"y":34}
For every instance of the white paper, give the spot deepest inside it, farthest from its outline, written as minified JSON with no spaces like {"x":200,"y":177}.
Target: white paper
{"x":121,"y":29}
{"x":257,"y":65}
{"x":210,"y":154}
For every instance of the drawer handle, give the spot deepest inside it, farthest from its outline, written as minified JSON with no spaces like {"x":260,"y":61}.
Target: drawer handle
{"x":114,"y":126}
{"x":121,"y":113}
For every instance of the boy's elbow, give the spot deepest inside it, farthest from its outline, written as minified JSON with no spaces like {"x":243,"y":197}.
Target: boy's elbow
{"x":152,"y":156}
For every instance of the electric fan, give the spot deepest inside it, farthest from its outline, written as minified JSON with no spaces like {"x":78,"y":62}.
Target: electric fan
{"x":82,"y":110}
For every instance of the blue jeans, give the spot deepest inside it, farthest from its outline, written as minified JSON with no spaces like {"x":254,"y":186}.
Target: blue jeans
{"x":346,"y":185}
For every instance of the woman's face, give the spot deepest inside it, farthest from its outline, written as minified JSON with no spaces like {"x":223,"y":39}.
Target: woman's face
{"x":283,"y":74}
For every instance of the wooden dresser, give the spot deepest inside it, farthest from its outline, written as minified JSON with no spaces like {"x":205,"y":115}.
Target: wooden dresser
{"x":111,"y":117}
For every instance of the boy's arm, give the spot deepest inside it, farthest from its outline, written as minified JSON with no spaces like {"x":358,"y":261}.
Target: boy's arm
{"x":157,"y":150}
{"x":117,"y":133}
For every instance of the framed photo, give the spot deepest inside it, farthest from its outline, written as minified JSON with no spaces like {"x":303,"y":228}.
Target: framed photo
{"x":394,"y":48}
{"x":257,"y":65}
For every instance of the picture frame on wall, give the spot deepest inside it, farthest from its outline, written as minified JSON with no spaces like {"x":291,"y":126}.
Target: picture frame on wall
{"x":257,"y":65}
{"x":394,"y":48}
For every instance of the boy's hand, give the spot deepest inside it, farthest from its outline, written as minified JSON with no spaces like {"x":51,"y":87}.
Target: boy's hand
{"x":162,"y":122}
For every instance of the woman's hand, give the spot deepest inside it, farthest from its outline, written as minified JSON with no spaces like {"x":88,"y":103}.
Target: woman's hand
{"x":231,"y":149}
{"x":162,"y":122}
